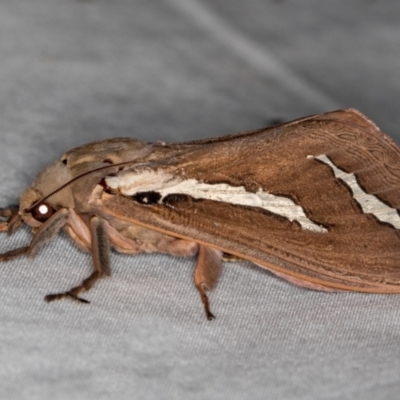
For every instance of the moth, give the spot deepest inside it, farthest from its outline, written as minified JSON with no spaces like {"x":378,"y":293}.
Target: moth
{"x":315,"y":201}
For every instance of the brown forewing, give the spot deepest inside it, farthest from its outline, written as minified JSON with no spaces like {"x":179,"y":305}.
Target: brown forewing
{"x":357,"y":253}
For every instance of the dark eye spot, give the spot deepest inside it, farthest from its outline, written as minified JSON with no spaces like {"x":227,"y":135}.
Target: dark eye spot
{"x":108,"y":161}
{"x":42,"y":212}
{"x":64,"y":161}
{"x":147,"y":197}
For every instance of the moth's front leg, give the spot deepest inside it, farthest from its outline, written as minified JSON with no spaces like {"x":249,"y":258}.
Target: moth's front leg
{"x":12,"y":222}
{"x":45,"y":233}
{"x":100,"y":247}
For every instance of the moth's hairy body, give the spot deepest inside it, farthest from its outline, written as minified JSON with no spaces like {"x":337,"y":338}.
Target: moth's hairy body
{"x":314,"y":200}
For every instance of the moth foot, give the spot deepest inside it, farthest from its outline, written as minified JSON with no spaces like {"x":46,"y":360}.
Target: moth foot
{"x":202,"y":290}
{"x":67,"y":295}
{"x":210,"y":315}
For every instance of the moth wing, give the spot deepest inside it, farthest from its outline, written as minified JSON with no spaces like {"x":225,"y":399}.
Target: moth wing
{"x":323,"y":195}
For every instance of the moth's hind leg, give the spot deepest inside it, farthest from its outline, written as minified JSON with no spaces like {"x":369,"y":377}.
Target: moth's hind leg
{"x":101,"y":262}
{"x":206,"y":274}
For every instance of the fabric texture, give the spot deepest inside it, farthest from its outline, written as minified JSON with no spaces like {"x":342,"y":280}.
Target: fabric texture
{"x":76,"y":71}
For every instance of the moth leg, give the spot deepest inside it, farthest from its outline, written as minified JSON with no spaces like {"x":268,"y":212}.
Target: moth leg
{"x":122,"y":243}
{"x":177,"y":247}
{"x":45,"y":233}
{"x":101,"y":262}
{"x":79,"y":231}
{"x":207,"y":271}
{"x":15,"y":253}
{"x":48,"y":230}
{"x":13,"y":222}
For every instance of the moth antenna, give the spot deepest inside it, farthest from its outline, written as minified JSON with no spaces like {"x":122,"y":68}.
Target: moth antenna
{"x":92,"y":171}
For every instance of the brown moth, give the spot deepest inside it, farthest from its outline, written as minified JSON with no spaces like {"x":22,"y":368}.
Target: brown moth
{"x":315,"y":201}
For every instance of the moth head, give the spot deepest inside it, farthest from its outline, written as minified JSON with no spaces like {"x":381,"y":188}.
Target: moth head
{"x":53,"y":188}
{"x":35,"y":212}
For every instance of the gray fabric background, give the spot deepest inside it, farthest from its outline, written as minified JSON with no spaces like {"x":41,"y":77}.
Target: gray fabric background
{"x":76,"y":71}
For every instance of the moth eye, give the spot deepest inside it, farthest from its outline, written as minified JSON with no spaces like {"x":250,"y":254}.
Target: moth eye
{"x":64,"y":161}
{"x":42,"y":212}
